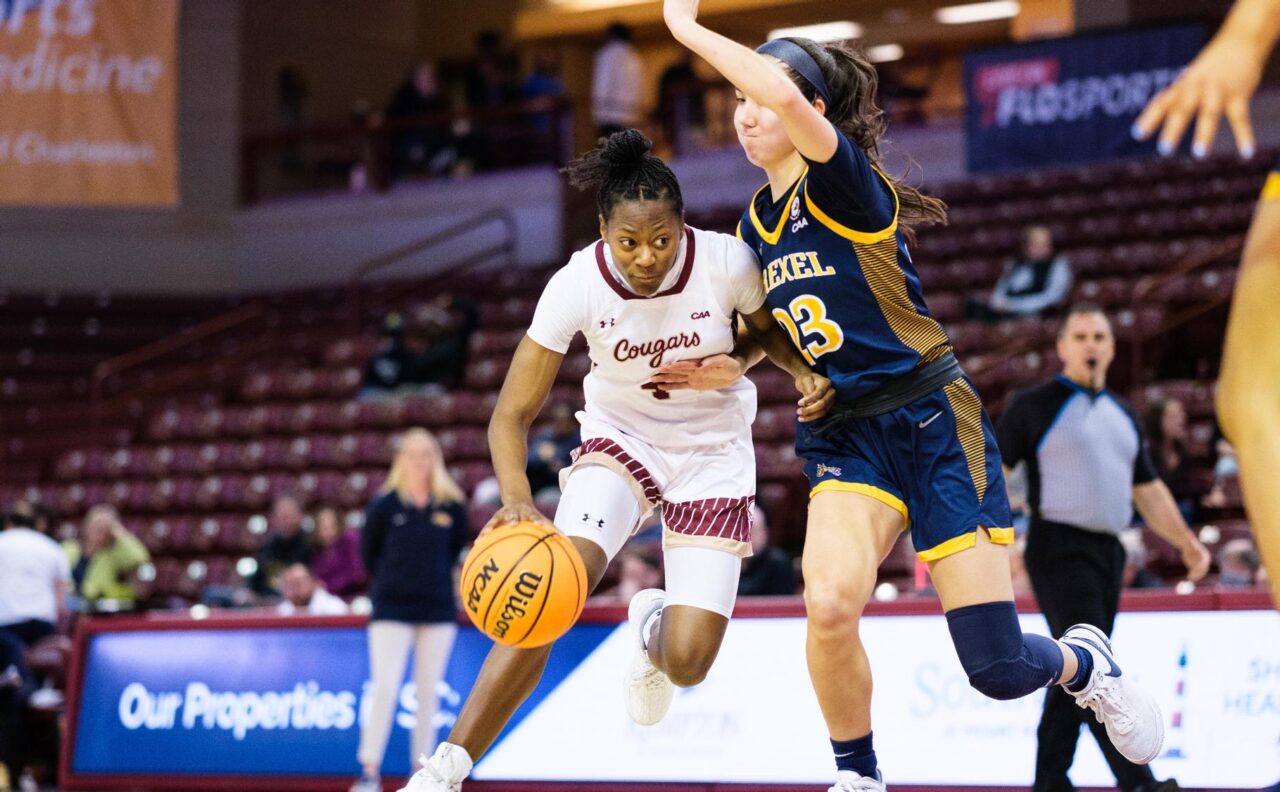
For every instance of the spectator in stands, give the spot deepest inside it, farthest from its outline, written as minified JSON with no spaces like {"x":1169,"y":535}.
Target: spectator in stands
{"x":37,"y":516}
{"x":681,"y":101}
{"x":1136,"y":574}
{"x":768,"y":571}
{"x":1166,"y":427}
{"x":385,"y":370}
{"x":543,"y":83}
{"x":638,"y":569}
{"x":1226,"y":474}
{"x":335,"y":556}
{"x":1037,"y":280}
{"x":303,"y":595}
{"x":447,"y":323}
{"x":488,"y":79}
{"x":617,"y":83}
{"x":286,"y":545}
{"x":1087,"y":467}
{"x":33,"y":586}
{"x":413,"y":537}
{"x":551,"y":450}
{"x":105,"y":555}
{"x":1238,"y":564}
{"x":427,"y":148}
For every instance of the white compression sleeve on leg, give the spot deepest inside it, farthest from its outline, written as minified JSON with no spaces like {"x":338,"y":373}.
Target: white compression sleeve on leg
{"x":701,"y":577}
{"x":600,"y":506}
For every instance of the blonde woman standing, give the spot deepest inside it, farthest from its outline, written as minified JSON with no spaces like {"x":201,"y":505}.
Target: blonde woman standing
{"x":414,"y":533}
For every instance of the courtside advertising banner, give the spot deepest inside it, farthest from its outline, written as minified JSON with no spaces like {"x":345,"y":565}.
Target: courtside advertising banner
{"x":88,"y":107}
{"x":287,"y":701}
{"x":1068,"y":100}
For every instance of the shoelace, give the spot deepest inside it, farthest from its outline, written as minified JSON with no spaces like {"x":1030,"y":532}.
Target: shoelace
{"x":429,"y":773}
{"x":1108,"y":702}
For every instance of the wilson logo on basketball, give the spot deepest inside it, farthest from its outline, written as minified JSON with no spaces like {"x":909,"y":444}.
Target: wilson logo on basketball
{"x":625,"y":350}
{"x":526,"y":589}
{"x":479,"y":583}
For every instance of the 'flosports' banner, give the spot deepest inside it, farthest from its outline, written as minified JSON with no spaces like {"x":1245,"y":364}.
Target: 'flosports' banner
{"x":1068,"y":100}
{"x":88,"y":102}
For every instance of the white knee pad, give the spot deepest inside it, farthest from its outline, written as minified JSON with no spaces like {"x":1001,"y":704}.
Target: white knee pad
{"x":600,"y":506}
{"x":702,"y":577}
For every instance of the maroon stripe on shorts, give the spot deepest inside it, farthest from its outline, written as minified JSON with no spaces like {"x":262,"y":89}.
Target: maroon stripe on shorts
{"x":722,"y":518}
{"x":603,"y":445}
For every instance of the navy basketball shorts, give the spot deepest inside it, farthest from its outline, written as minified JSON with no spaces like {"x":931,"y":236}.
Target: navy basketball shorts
{"x":935,"y":461}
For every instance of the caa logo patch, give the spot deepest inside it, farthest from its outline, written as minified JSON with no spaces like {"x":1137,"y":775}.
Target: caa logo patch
{"x":827,"y":470}
{"x":699,"y":314}
{"x":795,"y":208}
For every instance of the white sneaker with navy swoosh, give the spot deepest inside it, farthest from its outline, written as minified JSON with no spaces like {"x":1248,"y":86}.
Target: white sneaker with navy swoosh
{"x":1130,"y":714}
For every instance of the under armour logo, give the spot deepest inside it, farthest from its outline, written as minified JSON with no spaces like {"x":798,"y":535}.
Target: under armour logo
{"x":606,"y":323}
{"x":586,"y":518}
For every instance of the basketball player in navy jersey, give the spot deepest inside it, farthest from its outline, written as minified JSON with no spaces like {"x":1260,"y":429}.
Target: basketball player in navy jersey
{"x":908,"y":444}
{"x":1221,"y":81}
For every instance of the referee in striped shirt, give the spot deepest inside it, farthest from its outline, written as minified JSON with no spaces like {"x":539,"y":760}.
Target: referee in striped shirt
{"x":1087,"y":468}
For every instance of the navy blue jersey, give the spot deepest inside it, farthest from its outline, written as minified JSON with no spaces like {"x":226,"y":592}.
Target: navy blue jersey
{"x":838,"y":275}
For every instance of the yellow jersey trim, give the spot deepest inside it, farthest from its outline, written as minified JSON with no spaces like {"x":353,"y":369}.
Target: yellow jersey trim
{"x":737,"y":230}
{"x":875,"y":493}
{"x":861,"y":237}
{"x":1272,"y":188}
{"x":772,"y":238}
{"x":1000,"y":536}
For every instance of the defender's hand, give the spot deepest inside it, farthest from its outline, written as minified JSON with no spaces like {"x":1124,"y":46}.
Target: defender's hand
{"x":517,"y":512}
{"x":1220,"y":80}
{"x":709,"y":373}
{"x":817,"y":396}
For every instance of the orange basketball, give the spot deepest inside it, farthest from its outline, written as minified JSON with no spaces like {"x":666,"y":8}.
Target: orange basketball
{"x":523,"y":584}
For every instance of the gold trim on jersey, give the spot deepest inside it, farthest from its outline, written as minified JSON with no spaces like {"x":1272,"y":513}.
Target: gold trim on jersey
{"x":861,"y":237}
{"x":1271,"y":189}
{"x":968,"y":412}
{"x":672,"y":539}
{"x":1000,"y":536}
{"x":737,"y":230}
{"x":873,"y":492}
{"x":772,"y":238}
{"x":888,"y":284}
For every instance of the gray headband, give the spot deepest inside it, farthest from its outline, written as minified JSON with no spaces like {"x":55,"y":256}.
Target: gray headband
{"x":801,"y":62}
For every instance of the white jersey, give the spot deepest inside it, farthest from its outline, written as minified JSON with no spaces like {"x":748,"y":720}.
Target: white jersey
{"x":691,"y":316}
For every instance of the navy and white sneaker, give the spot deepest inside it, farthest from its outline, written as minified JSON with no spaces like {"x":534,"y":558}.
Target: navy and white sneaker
{"x":849,"y":781}
{"x":1130,"y":714}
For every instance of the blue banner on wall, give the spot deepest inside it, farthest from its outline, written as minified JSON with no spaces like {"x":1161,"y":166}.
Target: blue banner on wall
{"x":262,"y":701}
{"x":1068,"y":100}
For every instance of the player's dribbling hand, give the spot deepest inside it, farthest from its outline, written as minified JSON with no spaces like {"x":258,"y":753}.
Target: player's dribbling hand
{"x":1196,"y":558}
{"x":1220,"y":80}
{"x":709,"y":373}
{"x":517,"y":512}
{"x":817,"y":396}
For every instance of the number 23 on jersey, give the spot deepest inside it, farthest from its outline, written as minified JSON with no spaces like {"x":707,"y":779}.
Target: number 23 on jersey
{"x":807,"y":316}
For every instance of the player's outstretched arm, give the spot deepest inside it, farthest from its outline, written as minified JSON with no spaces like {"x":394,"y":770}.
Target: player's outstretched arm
{"x":524,"y":391}
{"x":1249,"y":385}
{"x":1156,"y":505}
{"x":752,"y":74}
{"x":1221,"y":80}
{"x":816,"y":392}
{"x":714,"y":371}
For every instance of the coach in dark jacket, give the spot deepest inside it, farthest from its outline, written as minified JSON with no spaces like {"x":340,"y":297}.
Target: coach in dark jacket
{"x":413,"y":536}
{"x":1087,"y":467}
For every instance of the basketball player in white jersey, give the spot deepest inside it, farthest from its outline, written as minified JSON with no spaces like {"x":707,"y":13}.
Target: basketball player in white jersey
{"x":652,"y":291}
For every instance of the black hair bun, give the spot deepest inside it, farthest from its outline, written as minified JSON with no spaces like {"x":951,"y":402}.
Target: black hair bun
{"x":625,"y":148}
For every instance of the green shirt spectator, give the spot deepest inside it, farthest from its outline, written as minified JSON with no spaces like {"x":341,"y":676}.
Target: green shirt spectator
{"x":106,"y":555}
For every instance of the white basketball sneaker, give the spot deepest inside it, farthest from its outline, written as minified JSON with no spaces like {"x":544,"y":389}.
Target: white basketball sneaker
{"x":443,"y":771}
{"x":849,"y":781}
{"x":649,"y":691}
{"x":1130,"y":714}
